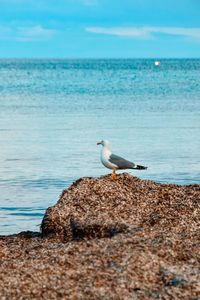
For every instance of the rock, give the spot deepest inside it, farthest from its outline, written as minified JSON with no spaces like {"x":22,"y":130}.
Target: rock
{"x":101,"y":207}
{"x":171,"y":279}
{"x":104,"y":239}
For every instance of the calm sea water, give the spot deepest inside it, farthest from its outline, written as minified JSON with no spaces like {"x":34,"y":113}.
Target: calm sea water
{"x":53,"y":111}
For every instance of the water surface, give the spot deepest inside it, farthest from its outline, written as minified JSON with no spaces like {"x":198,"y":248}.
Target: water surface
{"x":53,"y":111}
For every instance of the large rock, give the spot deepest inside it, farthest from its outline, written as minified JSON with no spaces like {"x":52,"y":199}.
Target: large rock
{"x":101,"y":207}
{"x":125,"y":239}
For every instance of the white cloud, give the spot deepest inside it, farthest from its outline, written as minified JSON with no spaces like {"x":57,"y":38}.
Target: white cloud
{"x":146,"y":32}
{"x":35,"y":33}
{"x":121,"y":31}
{"x":26,"y":34}
{"x":181,"y":31}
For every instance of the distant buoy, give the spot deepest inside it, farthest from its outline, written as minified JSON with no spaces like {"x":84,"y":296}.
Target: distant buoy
{"x":157,"y":63}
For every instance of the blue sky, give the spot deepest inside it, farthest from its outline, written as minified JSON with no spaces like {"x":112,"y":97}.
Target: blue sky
{"x":99,"y":28}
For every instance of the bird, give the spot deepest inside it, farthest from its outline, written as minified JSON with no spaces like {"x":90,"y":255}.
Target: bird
{"x":115,"y":162}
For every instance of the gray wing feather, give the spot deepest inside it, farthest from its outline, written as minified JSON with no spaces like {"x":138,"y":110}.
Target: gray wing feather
{"x":121,"y":162}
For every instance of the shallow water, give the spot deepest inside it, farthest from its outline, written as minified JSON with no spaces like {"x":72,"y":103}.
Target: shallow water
{"x":53,"y":111}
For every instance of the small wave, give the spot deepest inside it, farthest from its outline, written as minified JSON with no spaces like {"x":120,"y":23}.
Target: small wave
{"x":36,"y":183}
{"x":23,"y":214}
{"x":22,"y":208}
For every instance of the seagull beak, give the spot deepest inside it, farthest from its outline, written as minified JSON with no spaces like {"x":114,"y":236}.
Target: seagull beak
{"x":98,"y":143}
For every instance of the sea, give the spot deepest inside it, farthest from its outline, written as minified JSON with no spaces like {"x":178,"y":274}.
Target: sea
{"x":52,"y":112}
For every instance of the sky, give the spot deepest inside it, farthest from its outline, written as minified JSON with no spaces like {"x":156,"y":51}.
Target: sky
{"x":100,"y":28}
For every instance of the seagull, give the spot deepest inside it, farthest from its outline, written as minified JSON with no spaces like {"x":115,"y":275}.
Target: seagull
{"x":115,"y":162}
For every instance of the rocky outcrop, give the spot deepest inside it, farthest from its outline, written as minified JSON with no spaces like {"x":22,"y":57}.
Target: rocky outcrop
{"x":104,"y":239}
{"x":101,"y":207}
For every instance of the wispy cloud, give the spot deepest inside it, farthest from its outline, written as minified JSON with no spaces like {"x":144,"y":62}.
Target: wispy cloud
{"x":27,"y":34}
{"x":35,"y":33}
{"x":146,"y":32}
{"x":121,"y":31}
{"x":181,"y":31}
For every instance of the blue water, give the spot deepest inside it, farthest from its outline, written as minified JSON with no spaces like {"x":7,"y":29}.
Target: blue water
{"x":53,"y":111}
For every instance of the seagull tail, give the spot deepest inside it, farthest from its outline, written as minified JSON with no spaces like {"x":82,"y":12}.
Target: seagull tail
{"x":138,"y":167}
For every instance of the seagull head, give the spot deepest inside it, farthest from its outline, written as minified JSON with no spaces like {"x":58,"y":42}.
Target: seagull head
{"x":104,"y":143}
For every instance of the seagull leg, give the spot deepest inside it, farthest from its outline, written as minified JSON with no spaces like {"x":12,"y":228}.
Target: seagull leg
{"x":114,"y":176}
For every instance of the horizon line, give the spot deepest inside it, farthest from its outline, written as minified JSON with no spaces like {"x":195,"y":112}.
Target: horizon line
{"x":95,"y":58}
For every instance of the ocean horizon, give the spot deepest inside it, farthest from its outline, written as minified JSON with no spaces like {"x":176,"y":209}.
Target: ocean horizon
{"x":52,"y":112}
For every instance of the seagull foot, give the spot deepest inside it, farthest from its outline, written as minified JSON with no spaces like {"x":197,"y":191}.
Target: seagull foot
{"x":114,"y":176}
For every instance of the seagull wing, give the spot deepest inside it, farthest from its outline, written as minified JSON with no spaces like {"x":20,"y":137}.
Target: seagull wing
{"x":121,"y":163}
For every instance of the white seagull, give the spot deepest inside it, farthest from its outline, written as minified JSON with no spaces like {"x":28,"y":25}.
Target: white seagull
{"x":115,"y":162}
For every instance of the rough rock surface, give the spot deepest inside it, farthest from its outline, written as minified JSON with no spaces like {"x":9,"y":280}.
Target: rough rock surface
{"x":104,"y":239}
{"x":96,"y":208}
